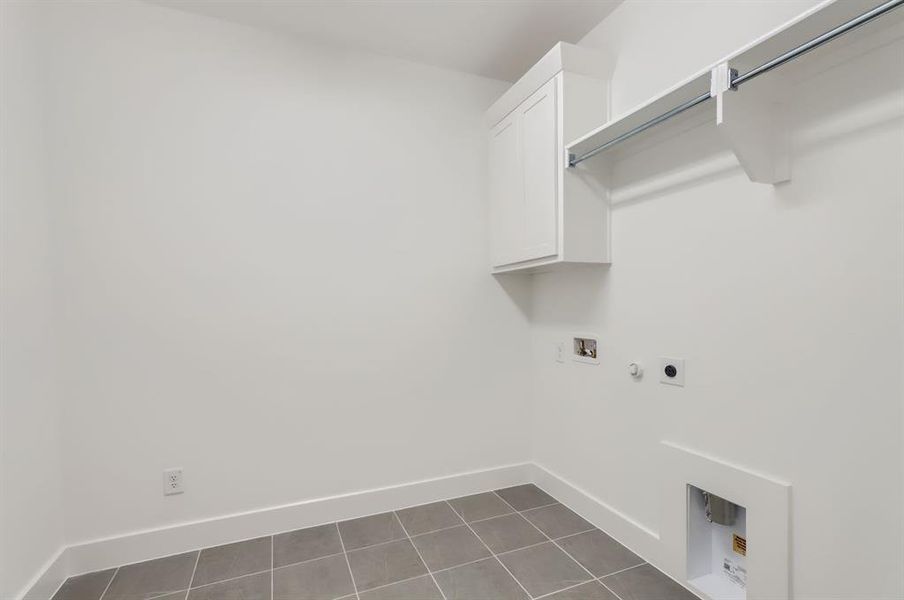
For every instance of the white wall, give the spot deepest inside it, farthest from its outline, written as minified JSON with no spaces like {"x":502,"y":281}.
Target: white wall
{"x":275,"y":270}
{"x":30,"y":511}
{"x":785,"y":301}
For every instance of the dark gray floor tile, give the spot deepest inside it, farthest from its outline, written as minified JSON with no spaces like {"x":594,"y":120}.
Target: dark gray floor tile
{"x":588,"y":591}
{"x":599,"y":553}
{"x":428,"y":517}
{"x":507,"y":533}
{"x":449,"y":547}
{"x":480,"y":506}
{"x":646,"y":583}
{"x":250,"y":587}
{"x":557,"y":520}
{"x":367,"y":531}
{"x":421,"y":588}
{"x":479,"y":581}
{"x":543,"y":569}
{"x":152,"y":578}
{"x":321,"y":579}
{"x":384,"y":564}
{"x":232,"y":560}
{"x":305,"y":544}
{"x":523,"y":497}
{"x":85,"y":587}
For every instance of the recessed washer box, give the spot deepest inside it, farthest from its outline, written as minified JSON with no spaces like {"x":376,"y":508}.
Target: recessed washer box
{"x":693,"y":548}
{"x":585,"y":348}
{"x":716,"y":545}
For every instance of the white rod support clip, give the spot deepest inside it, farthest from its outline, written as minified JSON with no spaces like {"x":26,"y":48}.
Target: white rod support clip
{"x":722,"y":79}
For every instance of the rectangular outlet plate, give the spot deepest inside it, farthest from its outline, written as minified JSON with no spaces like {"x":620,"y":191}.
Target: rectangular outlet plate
{"x":671,"y":371}
{"x":173,"y":482}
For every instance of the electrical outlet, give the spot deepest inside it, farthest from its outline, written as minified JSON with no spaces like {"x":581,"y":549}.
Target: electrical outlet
{"x":671,"y":371}
{"x":560,"y":352}
{"x":173,"y":482}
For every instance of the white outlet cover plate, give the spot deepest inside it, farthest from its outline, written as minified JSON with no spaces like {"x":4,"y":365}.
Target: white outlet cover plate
{"x":678,"y":379}
{"x":172,"y":482}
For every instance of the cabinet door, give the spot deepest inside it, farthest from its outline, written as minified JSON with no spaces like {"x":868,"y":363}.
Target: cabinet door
{"x":539,"y":148}
{"x":506,"y":192}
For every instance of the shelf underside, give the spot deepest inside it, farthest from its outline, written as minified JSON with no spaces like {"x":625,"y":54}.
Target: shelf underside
{"x":808,"y":26}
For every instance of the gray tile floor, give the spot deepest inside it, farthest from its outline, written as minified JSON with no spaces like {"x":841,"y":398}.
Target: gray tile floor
{"x":517,"y":543}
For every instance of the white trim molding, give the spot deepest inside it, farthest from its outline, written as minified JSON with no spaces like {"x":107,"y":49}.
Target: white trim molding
{"x":768,"y":504}
{"x":52,"y":575}
{"x":105,"y":553}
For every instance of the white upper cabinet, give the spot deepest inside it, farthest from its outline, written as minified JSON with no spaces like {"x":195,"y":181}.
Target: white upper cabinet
{"x":538,"y":161}
{"x":540,"y":213}
{"x":506,"y":190}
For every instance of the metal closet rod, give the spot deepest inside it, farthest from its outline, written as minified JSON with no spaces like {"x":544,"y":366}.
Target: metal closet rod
{"x":738,"y":80}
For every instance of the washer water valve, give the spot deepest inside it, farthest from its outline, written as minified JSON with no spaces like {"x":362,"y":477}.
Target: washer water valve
{"x":635,"y":370}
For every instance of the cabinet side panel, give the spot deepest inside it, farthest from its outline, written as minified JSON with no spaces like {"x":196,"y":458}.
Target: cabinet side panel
{"x":585,"y":210}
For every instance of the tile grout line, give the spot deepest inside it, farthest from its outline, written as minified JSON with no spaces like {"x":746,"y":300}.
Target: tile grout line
{"x":307,"y":560}
{"x":424,"y":562}
{"x":622,"y":570}
{"x":501,"y":564}
{"x":603,"y":583}
{"x":483,"y":558}
{"x":109,"y":583}
{"x":237,"y":577}
{"x":562,"y":537}
{"x":193,"y":573}
{"x":365,"y":547}
{"x":508,"y":514}
{"x":570,"y":587}
{"x":598,"y":580}
{"x":347,"y":563}
{"x":537,"y":507}
{"x":272,"y":562}
{"x":592,"y":576}
{"x":386,"y":585}
{"x":554,"y":541}
{"x":416,"y":535}
{"x":609,"y":589}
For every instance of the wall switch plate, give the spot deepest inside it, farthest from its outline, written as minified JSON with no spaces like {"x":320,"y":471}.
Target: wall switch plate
{"x":671,"y":371}
{"x":172,"y":482}
{"x":585,"y":348}
{"x":560,"y":352}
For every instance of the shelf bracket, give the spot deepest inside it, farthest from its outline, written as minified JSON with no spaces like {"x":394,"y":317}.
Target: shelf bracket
{"x":754,"y":125}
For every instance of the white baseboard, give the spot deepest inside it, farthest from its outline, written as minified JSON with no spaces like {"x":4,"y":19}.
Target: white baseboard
{"x":637,"y":537}
{"x":49,"y":579}
{"x":144,"y":545}
{"x":138,"y":546}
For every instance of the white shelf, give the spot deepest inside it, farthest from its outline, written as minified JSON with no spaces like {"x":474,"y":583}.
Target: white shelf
{"x":816,"y":21}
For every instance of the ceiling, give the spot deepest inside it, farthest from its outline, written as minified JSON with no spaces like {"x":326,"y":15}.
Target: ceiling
{"x":493,"y":38}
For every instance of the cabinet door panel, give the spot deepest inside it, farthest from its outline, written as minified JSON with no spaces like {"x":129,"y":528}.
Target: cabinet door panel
{"x":539,"y":147}
{"x":506,"y":192}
